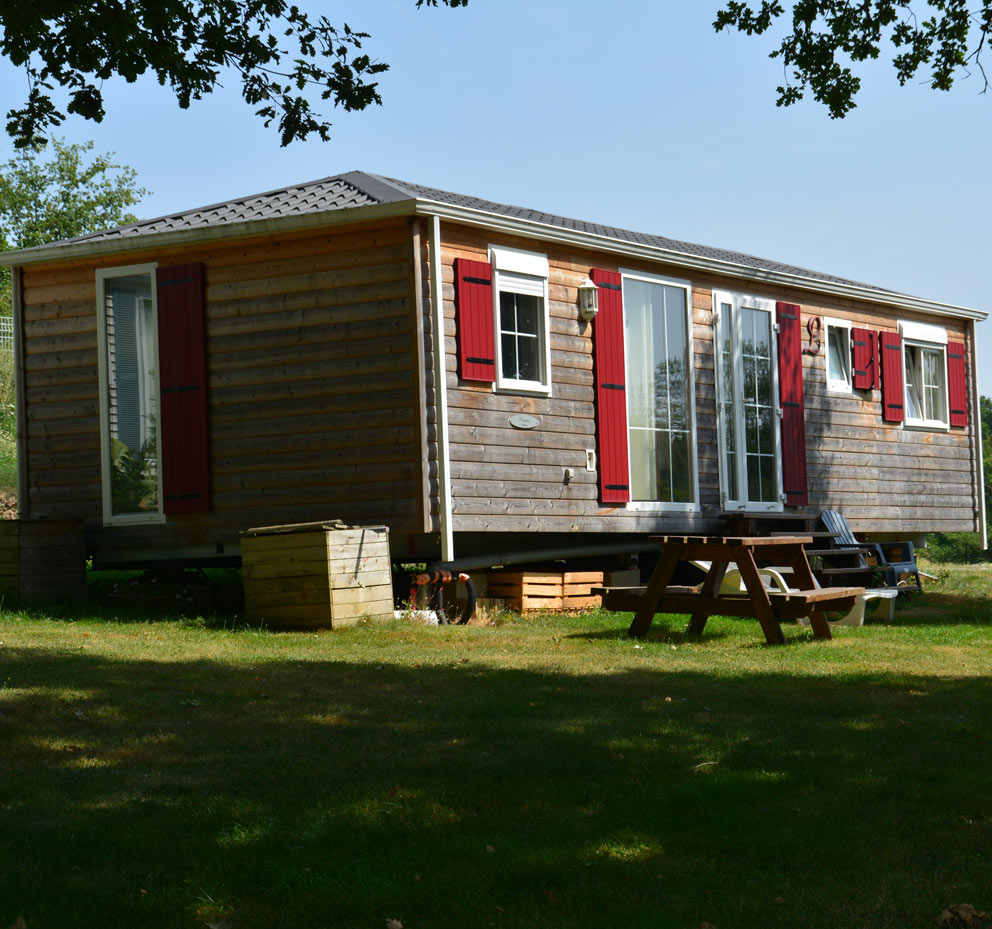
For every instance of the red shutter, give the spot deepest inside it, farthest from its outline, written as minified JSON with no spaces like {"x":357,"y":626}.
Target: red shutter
{"x":183,"y":439}
{"x":474,"y":303}
{"x":892,"y":382}
{"x":790,"y":382}
{"x":957,"y":384}
{"x":611,"y":390}
{"x":865,"y":345}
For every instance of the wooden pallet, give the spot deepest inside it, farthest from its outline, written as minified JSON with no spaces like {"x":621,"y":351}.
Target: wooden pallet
{"x":531,"y":590}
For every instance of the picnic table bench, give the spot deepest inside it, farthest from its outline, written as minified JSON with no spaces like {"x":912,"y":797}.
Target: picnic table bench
{"x":769,"y":607}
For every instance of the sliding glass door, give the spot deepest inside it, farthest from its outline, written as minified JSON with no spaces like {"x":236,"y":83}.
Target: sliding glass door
{"x":659,"y":391}
{"x":747,"y":397}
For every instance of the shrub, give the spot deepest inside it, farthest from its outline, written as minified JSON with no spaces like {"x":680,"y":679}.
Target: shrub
{"x":955,"y":548}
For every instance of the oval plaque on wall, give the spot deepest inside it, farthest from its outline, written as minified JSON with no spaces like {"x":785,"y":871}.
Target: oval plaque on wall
{"x":524,"y":421}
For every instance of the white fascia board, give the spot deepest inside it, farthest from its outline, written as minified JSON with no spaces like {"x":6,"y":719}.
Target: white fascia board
{"x":589,"y":240}
{"x":196,"y":235}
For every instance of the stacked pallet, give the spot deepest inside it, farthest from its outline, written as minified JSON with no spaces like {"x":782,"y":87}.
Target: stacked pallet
{"x":43,"y":559}
{"x":316,"y":575}
{"x":525,"y":590}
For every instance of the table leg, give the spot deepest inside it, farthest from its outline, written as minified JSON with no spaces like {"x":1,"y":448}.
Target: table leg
{"x":710,"y":588}
{"x":803,"y":575}
{"x":759,"y":596}
{"x":660,"y":578}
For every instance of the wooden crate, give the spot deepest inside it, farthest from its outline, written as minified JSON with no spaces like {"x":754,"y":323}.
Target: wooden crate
{"x":42,"y":559}
{"x":316,"y":575}
{"x":577,"y":589}
{"x":525,"y":590}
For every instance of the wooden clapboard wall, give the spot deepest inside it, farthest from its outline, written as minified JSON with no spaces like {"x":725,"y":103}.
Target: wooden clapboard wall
{"x":885,"y":478}
{"x":316,"y":406}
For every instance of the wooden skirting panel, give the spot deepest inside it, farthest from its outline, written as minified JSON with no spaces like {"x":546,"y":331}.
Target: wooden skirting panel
{"x":42,"y":560}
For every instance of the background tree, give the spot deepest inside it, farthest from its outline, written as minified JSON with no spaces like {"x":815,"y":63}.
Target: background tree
{"x":968,"y":547}
{"x":69,"y":193}
{"x":943,"y":38}
{"x":49,"y":193}
{"x":286,"y":60}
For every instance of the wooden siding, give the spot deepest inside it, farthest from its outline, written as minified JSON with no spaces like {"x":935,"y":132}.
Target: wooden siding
{"x":887,"y":479}
{"x":312,"y":373}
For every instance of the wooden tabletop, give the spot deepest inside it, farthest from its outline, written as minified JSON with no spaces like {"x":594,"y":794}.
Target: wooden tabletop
{"x":756,"y":541}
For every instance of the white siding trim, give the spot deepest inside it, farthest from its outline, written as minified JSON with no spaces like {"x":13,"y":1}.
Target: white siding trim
{"x":441,"y":395}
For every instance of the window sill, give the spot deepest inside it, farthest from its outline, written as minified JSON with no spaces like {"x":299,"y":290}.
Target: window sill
{"x":655,"y":506}
{"x":755,"y":508}
{"x":136,"y":519}
{"x":524,"y":388}
{"x":924,"y":425}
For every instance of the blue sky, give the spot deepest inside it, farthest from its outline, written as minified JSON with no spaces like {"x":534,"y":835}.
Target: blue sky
{"x":632,"y":113}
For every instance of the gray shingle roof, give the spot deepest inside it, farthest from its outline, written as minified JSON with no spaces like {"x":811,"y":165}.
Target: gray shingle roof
{"x":358,"y":188}
{"x":327,"y":194}
{"x":623,"y":235}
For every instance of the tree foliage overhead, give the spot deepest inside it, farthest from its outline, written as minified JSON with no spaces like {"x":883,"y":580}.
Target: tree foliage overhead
{"x":942,"y":39}
{"x":67,"y":194}
{"x":289,"y":63}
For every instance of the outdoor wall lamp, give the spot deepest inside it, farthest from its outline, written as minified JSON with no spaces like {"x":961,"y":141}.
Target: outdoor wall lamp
{"x":588,"y":299}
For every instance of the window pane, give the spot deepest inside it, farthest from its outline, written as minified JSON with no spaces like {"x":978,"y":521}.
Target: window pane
{"x":508,"y":344}
{"x":914,"y":398}
{"x":643,"y":465}
{"x":838,"y":354}
{"x":753,"y":477}
{"x":658,"y":394}
{"x":751,"y":429}
{"x":681,"y":468}
{"x":528,"y":358}
{"x":521,"y":347}
{"x":678,"y":357}
{"x":132,"y":391}
{"x":507,"y":312}
{"x":750,"y":365}
{"x":527,"y":310}
{"x":933,"y":376}
{"x":767,"y":479}
{"x":728,"y":395}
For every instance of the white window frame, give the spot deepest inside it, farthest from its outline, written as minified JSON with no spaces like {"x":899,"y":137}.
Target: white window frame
{"x":522,"y":272}
{"x":924,"y":337}
{"x":656,"y":506}
{"x":837,"y":385}
{"x":102,"y":276}
{"x":738,"y":301}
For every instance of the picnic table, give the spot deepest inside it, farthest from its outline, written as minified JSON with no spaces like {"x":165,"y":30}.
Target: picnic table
{"x":769,"y":607}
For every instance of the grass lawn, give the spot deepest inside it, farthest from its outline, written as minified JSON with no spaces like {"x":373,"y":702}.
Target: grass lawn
{"x":545,"y":772}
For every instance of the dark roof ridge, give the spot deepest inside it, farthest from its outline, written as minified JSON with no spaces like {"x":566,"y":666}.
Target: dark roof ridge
{"x":383,"y":189}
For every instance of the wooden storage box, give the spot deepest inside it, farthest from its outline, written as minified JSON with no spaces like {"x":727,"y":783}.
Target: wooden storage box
{"x":42,"y":559}
{"x":316,"y":575}
{"x":525,"y":590}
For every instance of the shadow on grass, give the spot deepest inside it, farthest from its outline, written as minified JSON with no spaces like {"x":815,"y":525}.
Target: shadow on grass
{"x":670,"y":630}
{"x":325,"y":793}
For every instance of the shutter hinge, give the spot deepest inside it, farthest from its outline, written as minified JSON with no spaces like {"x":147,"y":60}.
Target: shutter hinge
{"x":776,"y":327}
{"x":781,"y":413}
{"x":783,"y":497}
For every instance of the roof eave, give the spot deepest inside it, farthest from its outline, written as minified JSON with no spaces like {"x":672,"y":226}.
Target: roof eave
{"x":193,"y":236}
{"x":481,"y":218}
{"x":548,"y":232}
